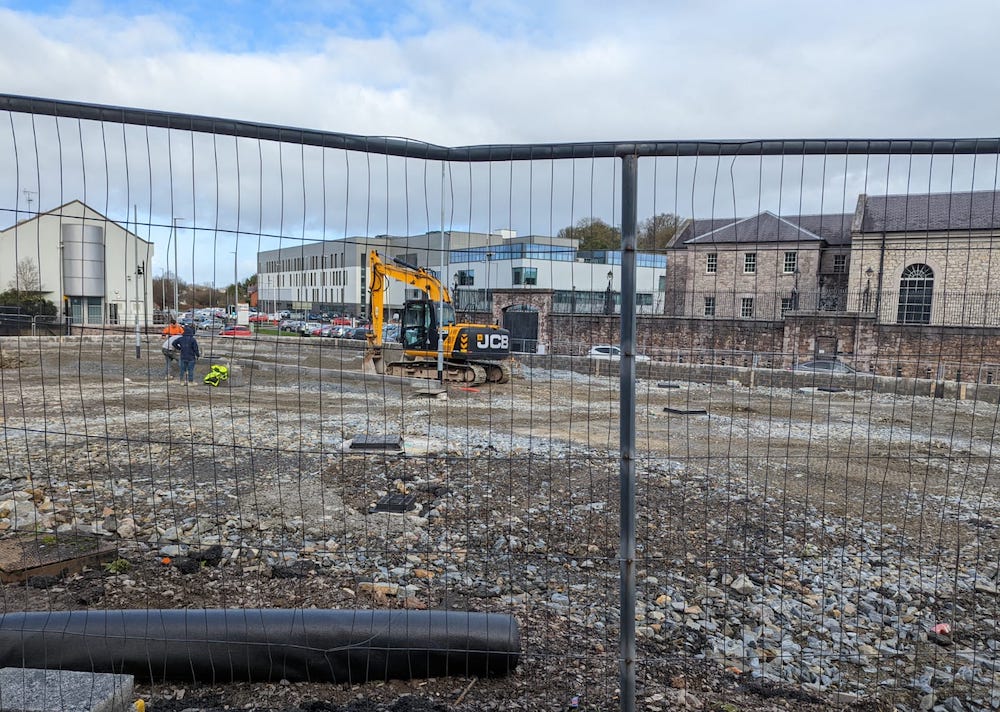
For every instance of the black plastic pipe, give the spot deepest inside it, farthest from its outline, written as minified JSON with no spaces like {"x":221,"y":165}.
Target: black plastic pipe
{"x":214,"y":646}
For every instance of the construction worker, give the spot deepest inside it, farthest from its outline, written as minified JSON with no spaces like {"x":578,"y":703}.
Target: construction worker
{"x":189,"y":352}
{"x":169,"y":335}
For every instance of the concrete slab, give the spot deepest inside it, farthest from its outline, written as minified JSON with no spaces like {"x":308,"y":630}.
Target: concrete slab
{"x":32,"y":690}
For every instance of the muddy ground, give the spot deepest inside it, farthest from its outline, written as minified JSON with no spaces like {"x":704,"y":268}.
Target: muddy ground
{"x":767,"y":527}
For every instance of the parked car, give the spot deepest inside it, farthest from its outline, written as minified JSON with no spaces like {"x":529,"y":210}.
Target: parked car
{"x":238,"y":331}
{"x":358,"y":333}
{"x":824,"y":366}
{"x":259,"y":318}
{"x":606,"y":352}
{"x":211,"y":325}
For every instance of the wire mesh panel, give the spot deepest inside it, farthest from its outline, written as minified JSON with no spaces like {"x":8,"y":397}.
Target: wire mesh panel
{"x":815,"y":349}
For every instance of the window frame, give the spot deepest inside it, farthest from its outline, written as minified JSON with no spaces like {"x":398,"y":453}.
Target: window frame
{"x":793,"y":262}
{"x":749,"y":263}
{"x":524,"y":276}
{"x":746,"y":308}
{"x":712,"y":263}
{"x":708,"y":306}
{"x":916,"y":295}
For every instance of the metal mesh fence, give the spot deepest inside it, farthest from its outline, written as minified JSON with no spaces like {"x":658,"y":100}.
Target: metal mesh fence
{"x":803,"y":338}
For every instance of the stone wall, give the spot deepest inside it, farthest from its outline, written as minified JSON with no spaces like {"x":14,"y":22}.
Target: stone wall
{"x":969,"y":354}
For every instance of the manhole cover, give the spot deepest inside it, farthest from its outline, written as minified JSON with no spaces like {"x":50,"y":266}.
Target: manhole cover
{"x":395,"y":503}
{"x":28,"y":555}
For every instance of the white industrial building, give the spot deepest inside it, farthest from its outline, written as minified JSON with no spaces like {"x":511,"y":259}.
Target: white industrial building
{"x":94,"y":270}
{"x":331,"y":276}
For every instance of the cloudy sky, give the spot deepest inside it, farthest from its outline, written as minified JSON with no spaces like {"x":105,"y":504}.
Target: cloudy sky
{"x":517,"y":71}
{"x":511,"y":71}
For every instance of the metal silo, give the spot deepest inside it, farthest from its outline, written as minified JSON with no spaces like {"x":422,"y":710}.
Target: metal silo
{"x":83,"y":260}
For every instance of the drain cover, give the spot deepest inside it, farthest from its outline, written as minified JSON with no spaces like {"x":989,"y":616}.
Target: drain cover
{"x":396,"y":503}
{"x":25,"y":556}
{"x":376,"y":442}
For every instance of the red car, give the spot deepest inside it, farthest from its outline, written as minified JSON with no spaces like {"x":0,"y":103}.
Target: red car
{"x":255,"y":318}
{"x":237,"y":331}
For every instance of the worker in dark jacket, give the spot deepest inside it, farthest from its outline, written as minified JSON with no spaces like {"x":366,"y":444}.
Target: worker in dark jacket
{"x":188,"y":346}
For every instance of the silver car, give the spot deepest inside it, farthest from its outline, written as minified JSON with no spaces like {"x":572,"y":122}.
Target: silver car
{"x":607,"y":352}
{"x":824,"y":366}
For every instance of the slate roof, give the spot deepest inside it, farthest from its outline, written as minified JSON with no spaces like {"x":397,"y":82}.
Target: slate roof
{"x":928,"y":212}
{"x":834,"y":229}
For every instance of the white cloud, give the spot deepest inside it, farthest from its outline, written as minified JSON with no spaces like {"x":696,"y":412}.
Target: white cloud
{"x":568,"y":71}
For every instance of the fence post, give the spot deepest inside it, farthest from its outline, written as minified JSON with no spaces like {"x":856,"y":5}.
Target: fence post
{"x":626,"y":418}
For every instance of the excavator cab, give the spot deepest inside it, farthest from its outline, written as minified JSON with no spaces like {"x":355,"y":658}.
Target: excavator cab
{"x":420,"y":324}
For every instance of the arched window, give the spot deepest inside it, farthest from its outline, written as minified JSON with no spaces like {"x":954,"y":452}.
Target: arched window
{"x":916,"y":290}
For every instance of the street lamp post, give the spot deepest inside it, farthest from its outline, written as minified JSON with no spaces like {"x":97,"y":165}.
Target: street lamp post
{"x":489,"y":299}
{"x":236,"y":285}
{"x":609,"y":307}
{"x":173,"y":233}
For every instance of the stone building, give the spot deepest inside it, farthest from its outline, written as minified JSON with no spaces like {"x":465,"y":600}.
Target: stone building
{"x":918,"y":259}
{"x":927,"y":259}
{"x":760,"y":267}
{"x":906,"y":285}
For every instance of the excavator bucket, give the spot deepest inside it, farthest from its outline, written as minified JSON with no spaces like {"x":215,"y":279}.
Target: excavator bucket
{"x":373,"y":364}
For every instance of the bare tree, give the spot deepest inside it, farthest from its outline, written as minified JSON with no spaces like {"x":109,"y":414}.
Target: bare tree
{"x":26,"y":277}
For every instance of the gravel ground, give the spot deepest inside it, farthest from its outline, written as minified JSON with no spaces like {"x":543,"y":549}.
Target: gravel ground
{"x":796,"y":547}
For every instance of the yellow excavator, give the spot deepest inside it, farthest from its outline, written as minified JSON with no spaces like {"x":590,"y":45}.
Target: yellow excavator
{"x":473,"y":353}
